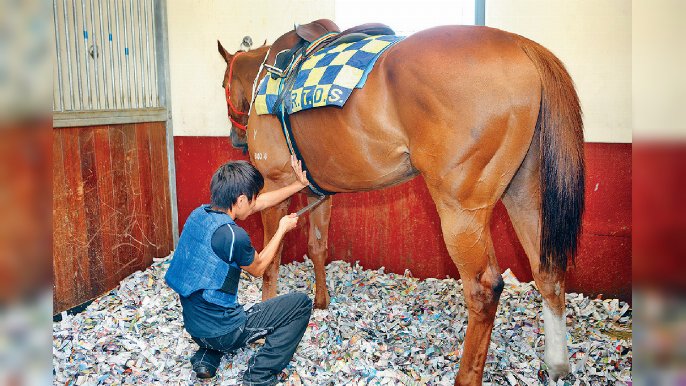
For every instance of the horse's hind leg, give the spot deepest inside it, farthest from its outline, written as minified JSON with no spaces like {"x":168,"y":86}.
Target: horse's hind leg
{"x":467,"y":236}
{"x":317,"y":248}
{"x":523,"y":202}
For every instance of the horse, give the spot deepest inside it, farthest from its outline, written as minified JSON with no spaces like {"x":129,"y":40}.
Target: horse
{"x":483,"y":115}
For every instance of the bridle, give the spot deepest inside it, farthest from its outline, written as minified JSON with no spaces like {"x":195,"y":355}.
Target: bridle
{"x":232,"y":108}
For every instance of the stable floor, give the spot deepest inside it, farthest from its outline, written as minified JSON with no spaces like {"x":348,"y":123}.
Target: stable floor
{"x":379,"y":329}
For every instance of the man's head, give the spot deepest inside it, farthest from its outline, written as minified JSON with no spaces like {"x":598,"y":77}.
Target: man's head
{"x":233,"y":180}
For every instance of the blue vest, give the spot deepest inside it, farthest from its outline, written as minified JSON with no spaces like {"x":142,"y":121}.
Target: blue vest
{"x":195,"y":266}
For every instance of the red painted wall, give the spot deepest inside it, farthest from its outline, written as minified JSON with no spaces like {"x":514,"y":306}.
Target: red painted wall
{"x":659,"y":215}
{"x":398,"y":227}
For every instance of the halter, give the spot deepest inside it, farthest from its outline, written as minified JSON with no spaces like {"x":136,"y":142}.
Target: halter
{"x":232,"y":108}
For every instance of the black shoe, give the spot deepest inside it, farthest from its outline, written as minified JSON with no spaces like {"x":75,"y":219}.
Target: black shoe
{"x":204,"y":371}
{"x":205,"y":362}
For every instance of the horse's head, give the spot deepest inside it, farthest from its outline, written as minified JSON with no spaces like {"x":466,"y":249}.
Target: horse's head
{"x":239,"y":76}
{"x":242,"y":70}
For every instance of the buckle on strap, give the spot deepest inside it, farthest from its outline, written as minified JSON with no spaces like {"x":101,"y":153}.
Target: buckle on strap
{"x":274,"y":70}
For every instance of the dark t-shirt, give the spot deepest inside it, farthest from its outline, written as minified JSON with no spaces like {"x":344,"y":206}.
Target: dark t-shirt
{"x":207,"y":320}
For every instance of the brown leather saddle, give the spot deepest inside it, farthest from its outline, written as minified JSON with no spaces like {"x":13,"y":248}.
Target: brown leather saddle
{"x":311,"y":32}
{"x":287,"y":63}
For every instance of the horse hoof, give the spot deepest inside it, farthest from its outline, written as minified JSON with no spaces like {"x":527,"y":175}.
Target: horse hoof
{"x":322,"y":304}
{"x":558,"y":371}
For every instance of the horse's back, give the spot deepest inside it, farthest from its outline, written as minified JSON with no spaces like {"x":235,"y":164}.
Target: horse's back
{"x":459,"y":66}
{"x":430,"y":100}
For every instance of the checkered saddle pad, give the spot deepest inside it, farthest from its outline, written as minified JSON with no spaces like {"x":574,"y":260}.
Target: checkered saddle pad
{"x":327,"y":78}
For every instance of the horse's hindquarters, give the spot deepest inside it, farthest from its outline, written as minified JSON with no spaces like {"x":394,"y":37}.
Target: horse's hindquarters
{"x":470,"y":99}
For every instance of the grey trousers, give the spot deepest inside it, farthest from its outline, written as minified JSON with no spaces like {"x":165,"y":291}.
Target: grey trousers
{"x":282,"y":321}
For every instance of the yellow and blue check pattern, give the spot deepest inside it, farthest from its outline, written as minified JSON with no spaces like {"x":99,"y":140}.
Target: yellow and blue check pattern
{"x":328,"y":77}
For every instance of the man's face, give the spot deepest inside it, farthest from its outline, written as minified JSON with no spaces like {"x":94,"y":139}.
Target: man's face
{"x":244,"y":207}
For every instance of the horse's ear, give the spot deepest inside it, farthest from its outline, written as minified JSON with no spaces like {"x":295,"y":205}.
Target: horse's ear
{"x":265,"y":43}
{"x":223,"y":52}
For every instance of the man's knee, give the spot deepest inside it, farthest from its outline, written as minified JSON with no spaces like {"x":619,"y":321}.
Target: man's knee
{"x":301,"y":300}
{"x":303,"y":305}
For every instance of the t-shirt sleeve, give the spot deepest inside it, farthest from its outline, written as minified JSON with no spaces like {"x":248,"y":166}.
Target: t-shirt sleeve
{"x":243,"y":251}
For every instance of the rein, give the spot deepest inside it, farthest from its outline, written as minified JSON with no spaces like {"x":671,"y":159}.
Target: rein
{"x":232,"y":108}
{"x":254,"y":90}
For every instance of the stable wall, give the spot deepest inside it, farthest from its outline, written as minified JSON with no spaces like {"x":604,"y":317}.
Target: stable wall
{"x":197,"y":69}
{"x":593,"y":40}
{"x":398,"y":227}
{"x":111,"y":210}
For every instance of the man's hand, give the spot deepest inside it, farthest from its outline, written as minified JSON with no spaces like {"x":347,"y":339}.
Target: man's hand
{"x":264,"y":258}
{"x":299,"y":173}
{"x":288,"y":222}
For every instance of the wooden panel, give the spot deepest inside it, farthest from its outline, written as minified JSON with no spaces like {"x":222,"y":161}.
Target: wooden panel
{"x":91,"y":202}
{"x":103,"y":164}
{"x":134,"y":230}
{"x":161,"y":204}
{"x":76,"y":238}
{"x":123,"y":252}
{"x":111,"y":212}
{"x":145,"y":218}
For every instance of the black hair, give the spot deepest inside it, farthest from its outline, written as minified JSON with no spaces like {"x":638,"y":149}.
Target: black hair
{"x":233,"y":179}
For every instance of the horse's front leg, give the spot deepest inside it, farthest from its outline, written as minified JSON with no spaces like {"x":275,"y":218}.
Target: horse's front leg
{"x":317,"y":248}
{"x":270,"y":223}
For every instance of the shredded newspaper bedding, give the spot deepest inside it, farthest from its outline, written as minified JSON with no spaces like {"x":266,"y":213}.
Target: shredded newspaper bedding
{"x":380,"y":329}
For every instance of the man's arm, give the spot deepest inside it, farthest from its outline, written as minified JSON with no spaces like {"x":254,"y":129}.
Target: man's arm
{"x":269,"y":199}
{"x":264,"y":258}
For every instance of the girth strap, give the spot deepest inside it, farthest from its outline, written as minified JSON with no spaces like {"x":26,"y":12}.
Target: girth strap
{"x":293,"y":148}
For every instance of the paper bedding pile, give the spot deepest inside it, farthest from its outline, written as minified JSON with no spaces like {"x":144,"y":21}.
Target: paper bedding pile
{"x":380,"y":329}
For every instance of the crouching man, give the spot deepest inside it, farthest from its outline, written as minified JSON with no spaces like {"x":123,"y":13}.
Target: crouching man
{"x":206,"y":269}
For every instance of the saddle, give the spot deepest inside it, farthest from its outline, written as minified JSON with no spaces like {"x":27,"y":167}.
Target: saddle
{"x":323,"y":33}
{"x":315,"y":36}
{"x":313,"y":31}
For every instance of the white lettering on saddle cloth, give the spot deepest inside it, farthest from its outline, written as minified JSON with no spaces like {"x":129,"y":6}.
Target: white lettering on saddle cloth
{"x":315,"y":96}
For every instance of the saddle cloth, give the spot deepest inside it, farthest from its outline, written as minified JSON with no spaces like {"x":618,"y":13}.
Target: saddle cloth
{"x":327,"y":78}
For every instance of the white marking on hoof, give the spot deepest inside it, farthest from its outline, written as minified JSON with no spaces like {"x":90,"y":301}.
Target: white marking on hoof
{"x":556,"y":355}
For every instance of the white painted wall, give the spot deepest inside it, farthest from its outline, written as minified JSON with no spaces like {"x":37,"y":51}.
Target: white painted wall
{"x":659,"y":71}
{"x":196,"y":69}
{"x":593,"y":39}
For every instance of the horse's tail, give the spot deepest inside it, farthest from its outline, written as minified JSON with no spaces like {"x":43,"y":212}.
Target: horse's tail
{"x":560,"y":127}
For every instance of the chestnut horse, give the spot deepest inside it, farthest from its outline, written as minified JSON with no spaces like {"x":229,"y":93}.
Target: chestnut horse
{"x":482,"y":115}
